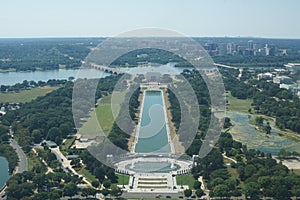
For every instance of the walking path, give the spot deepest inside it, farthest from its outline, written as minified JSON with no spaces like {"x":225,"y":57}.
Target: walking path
{"x":66,"y":164}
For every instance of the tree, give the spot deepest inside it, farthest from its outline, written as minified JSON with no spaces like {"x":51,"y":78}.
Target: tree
{"x":106,"y":183}
{"x":70,"y":189}
{"x":221,"y":191}
{"x":199,"y":192}
{"x":267,"y":128}
{"x":53,"y":133}
{"x":251,"y":190}
{"x":116,"y":191}
{"x":197,"y":184}
{"x":259,"y":121}
{"x":187,"y":192}
{"x":105,"y":192}
{"x":37,"y":136}
{"x":88,"y":192}
{"x":95,"y":184}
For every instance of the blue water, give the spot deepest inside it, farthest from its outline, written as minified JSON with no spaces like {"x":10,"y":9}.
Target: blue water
{"x":4,"y":175}
{"x":11,"y":78}
{"x":153,"y":133}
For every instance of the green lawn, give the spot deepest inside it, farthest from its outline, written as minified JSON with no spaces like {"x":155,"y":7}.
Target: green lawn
{"x":86,"y":173}
{"x":25,"y":95}
{"x":187,"y":179}
{"x":67,"y":144}
{"x":101,"y":118}
{"x":122,"y":178}
{"x":240,"y":105}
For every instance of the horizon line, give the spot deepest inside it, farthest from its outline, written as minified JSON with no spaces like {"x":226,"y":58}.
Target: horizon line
{"x":84,"y":37}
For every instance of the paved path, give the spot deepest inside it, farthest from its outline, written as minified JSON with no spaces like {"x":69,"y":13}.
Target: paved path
{"x":23,"y":165}
{"x":224,"y":155}
{"x":49,"y":169}
{"x":66,"y":164}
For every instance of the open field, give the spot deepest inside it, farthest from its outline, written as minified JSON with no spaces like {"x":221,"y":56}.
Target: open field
{"x":187,"y":179}
{"x":26,"y":95}
{"x":101,"y":118}
{"x":122,"y":178}
{"x":240,"y":105}
{"x":86,"y":173}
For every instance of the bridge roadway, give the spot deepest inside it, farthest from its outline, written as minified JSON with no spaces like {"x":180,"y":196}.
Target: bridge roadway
{"x":106,"y":69}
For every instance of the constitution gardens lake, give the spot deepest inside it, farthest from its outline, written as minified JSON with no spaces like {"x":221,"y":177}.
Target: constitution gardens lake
{"x":4,"y":174}
{"x":246,"y":133}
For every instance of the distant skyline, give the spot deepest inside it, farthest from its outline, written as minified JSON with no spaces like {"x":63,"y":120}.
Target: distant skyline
{"x":196,"y":18}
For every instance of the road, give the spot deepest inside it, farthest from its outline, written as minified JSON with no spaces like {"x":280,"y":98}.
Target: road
{"x":23,"y":165}
{"x":151,"y":195}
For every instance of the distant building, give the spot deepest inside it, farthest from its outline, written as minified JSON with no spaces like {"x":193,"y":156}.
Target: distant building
{"x":267,"y":50}
{"x":232,"y":49}
{"x":292,"y":87}
{"x":264,"y":76}
{"x":282,"y":79}
{"x":83,"y":139}
{"x":222,"y":49}
{"x":293,"y":66}
{"x":250,"y":45}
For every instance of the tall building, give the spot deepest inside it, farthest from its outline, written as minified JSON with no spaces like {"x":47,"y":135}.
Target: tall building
{"x":250,"y":45}
{"x":267,"y":50}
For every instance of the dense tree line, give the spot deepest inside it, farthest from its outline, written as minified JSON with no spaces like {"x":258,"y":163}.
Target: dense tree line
{"x":9,"y":153}
{"x":45,"y":54}
{"x":202,"y":94}
{"x":50,"y":117}
{"x":32,"y":185}
{"x":30,"y":84}
{"x":147,"y":55}
{"x":119,"y":136}
{"x":258,"y":174}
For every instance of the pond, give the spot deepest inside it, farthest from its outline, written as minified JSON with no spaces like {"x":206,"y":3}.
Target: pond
{"x":4,"y":174}
{"x":246,"y":133}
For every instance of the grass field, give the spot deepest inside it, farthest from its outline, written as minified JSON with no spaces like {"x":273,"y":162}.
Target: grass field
{"x":67,"y":144}
{"x":240,"y":105}
{"x":187,"y":179}
{"x":122,"y":178}
{"x":86,"y":173}
{"x":101,"y":118}
{"x":25,"y":95}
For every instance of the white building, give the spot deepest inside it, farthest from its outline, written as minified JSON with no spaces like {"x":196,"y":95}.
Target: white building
{"x":293,"y":66}
{"x":264,"y":76}
{"x":282,"y":79}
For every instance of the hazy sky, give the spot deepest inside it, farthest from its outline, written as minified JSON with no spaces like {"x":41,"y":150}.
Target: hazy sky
{"x":73,"y":18}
